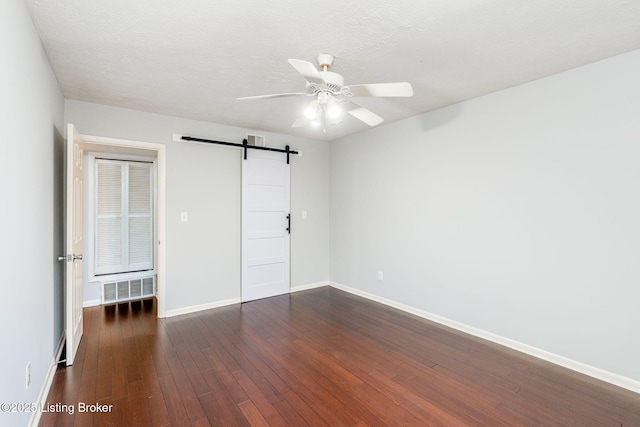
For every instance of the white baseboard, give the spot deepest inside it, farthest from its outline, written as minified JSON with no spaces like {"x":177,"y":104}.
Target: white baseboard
{"x":200,"y":307}
{"x":91,"y":303}
{"x":309,"y":286}
{"x":216,"y":304}
{"x":48,"y":380}
{"x":601,"y":374}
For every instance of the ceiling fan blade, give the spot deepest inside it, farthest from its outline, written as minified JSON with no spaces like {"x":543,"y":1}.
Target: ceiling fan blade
{"x":300,"y":122}
{"x":308,"y":71}
{"x":361,"y":113}
{"x":382,"y":89}
{"x":275,"y":95}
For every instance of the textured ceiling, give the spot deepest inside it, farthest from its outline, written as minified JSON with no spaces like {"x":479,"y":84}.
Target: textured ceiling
{"x":192,"y":58}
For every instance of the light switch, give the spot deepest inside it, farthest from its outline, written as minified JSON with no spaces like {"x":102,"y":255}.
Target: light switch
{"x":184,"y":217}
{"x":304,"y":214}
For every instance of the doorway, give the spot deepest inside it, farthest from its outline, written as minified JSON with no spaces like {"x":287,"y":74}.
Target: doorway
{"x":120,"y":147}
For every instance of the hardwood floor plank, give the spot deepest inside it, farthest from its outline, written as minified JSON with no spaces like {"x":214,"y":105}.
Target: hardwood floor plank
{"x":319,"y":357}
{"x":119,"y":380}
{"x":589,"y":390}
{"x":185,"y":391}
{"x":429,"y":413}
{"x":567,"y":415}
{"x":305,"y":410}
{"x":253,"y":415}
{"x":242,"y":358}
{"x":323,"y":384}
{"x":152,"y":389}
{"x":400,"y":396}
{"x":86,"y":394}
{"x":158,"y":409}
{"x":201,"y":423}
{"x":475,"y":378}
{"x":219,"y":405}
{"x":139,"y":403}
{"x":330,"y":408}
{"x":258,"y":399}
{"x":270,"y":385}
{"x":234,"y":389}
{"x":472,"y":410}
{"x":194,"y":374}
{"x":527,"y":416}
{"x":545,"y":394}
{"x":173,"y":401}
{"x":120,"y":415}
{"x":289,"y":414}
{"x":331,"y":369}
{"x":105,"y":362}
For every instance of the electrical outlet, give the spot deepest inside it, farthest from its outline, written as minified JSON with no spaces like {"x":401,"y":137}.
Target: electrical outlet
{"x":380,"y":276}
{"x":28,"y":374}
{"x":184,"y":217}
{"x":304,"y":214}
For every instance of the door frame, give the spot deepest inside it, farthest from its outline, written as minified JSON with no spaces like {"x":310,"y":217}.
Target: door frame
{"x":98,"y":143}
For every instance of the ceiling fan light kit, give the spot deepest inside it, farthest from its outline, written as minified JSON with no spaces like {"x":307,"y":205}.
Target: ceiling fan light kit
{"x":332,"y":97}
{"x":311,"y":112}
{"x":333,"y":108}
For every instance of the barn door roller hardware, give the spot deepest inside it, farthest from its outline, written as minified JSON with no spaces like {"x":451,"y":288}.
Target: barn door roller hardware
{"x":245,"y":146}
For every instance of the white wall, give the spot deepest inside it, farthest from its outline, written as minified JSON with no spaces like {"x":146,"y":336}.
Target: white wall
{"x":31,"y":122}
{"x":203,"y":255}
{"x":517,"y":213}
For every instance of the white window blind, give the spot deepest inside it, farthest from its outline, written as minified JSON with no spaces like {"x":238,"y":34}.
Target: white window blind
{"x":124,"y":216}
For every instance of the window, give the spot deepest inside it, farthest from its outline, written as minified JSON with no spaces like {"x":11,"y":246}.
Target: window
{"x":124,"y":216}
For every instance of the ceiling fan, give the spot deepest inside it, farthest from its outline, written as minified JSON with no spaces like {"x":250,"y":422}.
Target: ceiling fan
{"x":331,"y":97}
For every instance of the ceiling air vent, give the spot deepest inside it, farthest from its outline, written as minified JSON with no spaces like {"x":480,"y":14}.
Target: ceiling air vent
{"x":256,"y":140}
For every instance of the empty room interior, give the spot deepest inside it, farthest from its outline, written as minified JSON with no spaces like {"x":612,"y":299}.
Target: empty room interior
{"x":329,"y":213}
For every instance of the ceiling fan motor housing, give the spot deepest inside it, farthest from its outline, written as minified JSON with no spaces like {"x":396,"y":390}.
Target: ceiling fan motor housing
{"x":325,"y":61}
{"x":333,"y":81}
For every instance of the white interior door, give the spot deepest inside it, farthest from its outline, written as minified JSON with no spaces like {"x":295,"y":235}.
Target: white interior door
{"x":265,"y":225}
{"x":73,"y":243}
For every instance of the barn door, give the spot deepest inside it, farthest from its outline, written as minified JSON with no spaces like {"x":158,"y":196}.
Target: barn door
{"x":265,"y":225}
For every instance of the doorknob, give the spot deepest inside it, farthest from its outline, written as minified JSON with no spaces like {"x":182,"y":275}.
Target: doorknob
{"x":70,"y":257}
{"x":289,"y":223}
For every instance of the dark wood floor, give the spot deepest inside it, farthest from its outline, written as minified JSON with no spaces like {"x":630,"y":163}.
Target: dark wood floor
{"x":322,"y":358}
